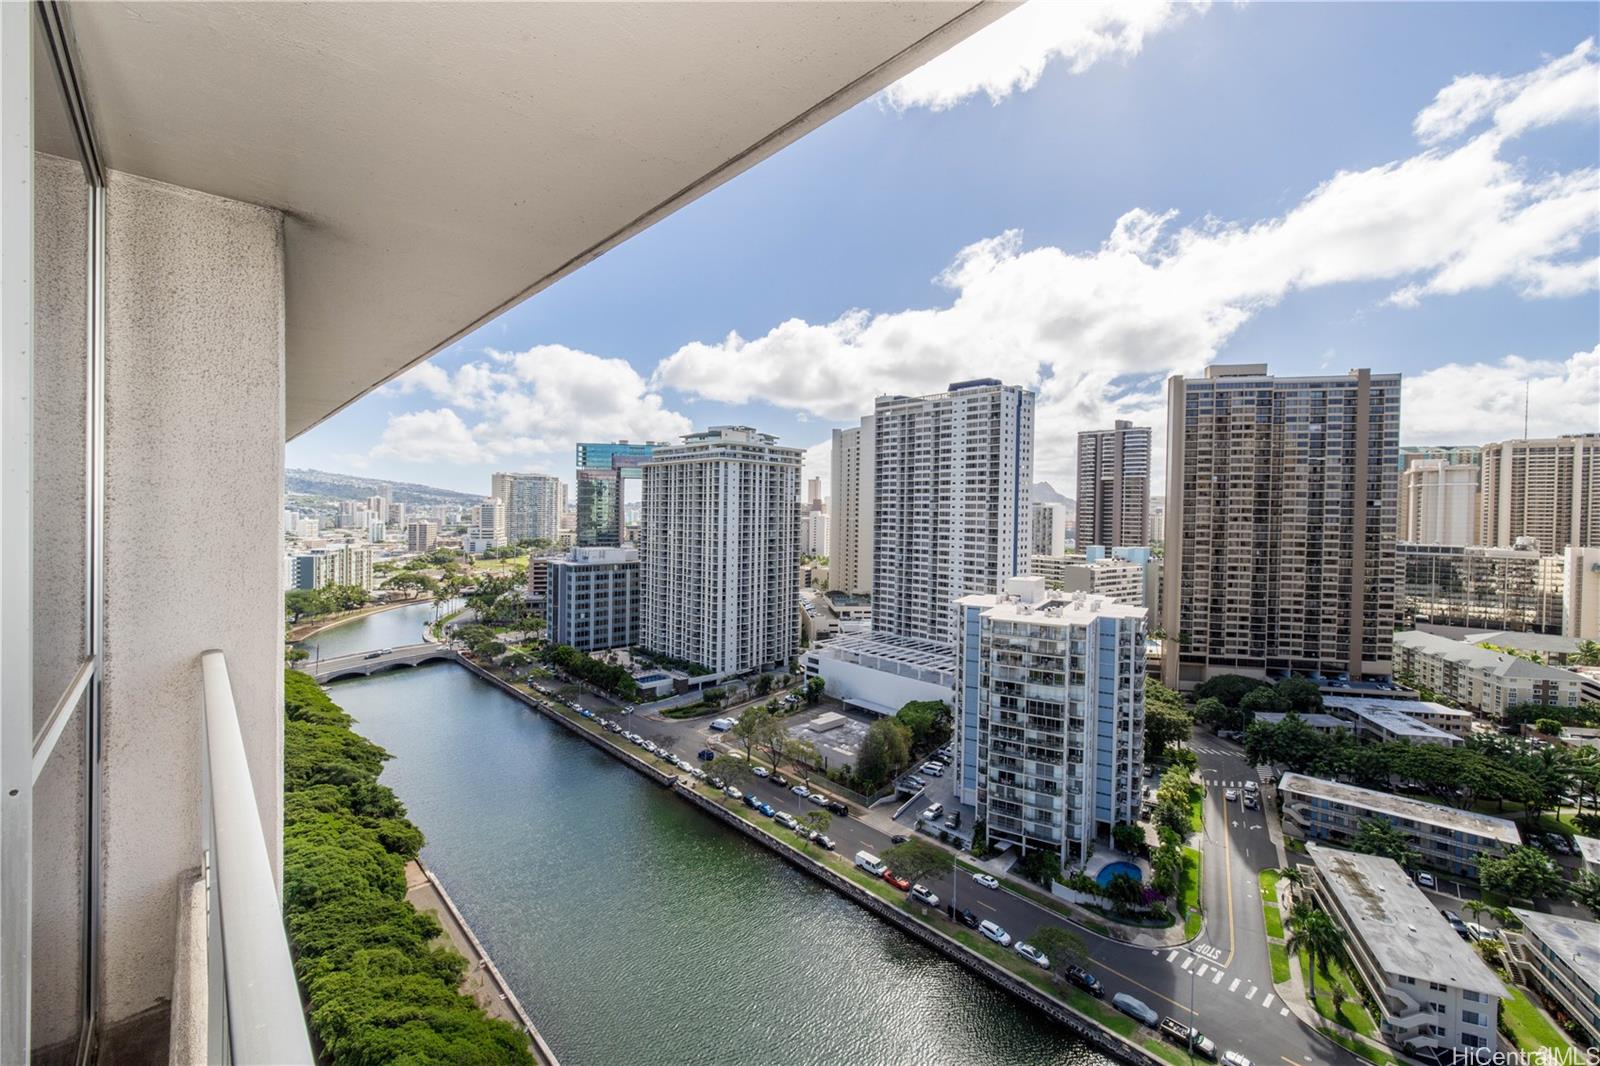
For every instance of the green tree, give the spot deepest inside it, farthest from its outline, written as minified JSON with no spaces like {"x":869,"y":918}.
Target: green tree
{"x":300,"y":603}
{"x":1124,"y":893}
{"x":752,"y":729}
{"x":1378,"y":837}
{"x":1165,"y":725}
{"x":1586,"y":890}
{"x":1127,"y":838}
{"x":293,"y":654}
{"x":1522,"y":873}
{"x":1299,"y":694}
{"x":1063,"y":947}
{"x":817,"y":822}
{"x":763,"y":684}
{"x":885,"y":751}
{"x":1548,"y":727}
{"x":814,"y":689}
{"x":917,"y":860}
{"x":1319,"y":936}
{"x":980,"y":838}
{"x":1041,"y":866}
{"x":1229,"y":688}
{"x":1588,"y":653}
{"x":1259,"y":700}
{"x":927,"y":721}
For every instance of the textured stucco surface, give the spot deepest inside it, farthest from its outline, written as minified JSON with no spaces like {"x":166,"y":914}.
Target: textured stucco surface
{"x":59,"y":385}
{"x":194,"y":475}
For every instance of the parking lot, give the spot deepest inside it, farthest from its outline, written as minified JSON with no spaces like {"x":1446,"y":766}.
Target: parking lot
{"x":839,"y":737}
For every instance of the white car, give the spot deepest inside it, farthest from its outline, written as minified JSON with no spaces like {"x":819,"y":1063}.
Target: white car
{"x":818,"y":798}
{"x":995,"y":933}
{"x":1033,"y":955}
{"x":932,"y":813}
{"x":801,"y":791}
{"x":733,"y":793}
{"x":986,"y":881}
{"x":924,"y":895}
{"x":1252,"y":787}
{"x":931,"y":769}
{"x":761,"y":771}
{"x":1426,"y":880}
{"x":785,"y":819}
{"x":1233,"y":1058}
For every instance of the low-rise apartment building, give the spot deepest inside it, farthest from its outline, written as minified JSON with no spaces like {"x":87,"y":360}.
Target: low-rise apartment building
{"x":1486,"y":681}
{"x":1559,"y":958}
{"x":1115,"y":579}
{"x":594,"y":598}
{"x":345,"y":564}
{"x":1432,"y":990}
{"x":1410,"y":721}
{"x":1448,"y":839}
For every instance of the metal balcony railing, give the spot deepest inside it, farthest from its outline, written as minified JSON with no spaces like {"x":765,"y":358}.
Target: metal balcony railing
{"x":254,"y":1014}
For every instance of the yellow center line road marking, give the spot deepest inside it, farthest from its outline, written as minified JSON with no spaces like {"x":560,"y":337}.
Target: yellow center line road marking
{"x":1290,"y":1061}
{"x":1132,"y":981}
{"x":1227,"y":862}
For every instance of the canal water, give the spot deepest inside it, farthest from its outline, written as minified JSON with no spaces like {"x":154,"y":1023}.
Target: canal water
{"x":637,"y":931}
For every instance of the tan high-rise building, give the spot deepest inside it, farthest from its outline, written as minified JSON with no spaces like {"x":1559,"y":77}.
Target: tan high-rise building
{"x":1114,"y":486}
{"x":1547,"y":489}
{"x":1439,"y":502}
{"x":1280,"y":554}
{"x":850,"y":522}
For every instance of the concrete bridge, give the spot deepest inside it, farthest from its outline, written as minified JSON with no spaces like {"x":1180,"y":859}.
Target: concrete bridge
{"x":364,"y":663}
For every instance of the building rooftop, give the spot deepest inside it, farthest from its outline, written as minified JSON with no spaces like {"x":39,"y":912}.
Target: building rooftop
{"x":1542,"y":643}
{"x":1383,"y":714}
{"x":1029,"y":599}
{"x":1414,"y":708}
{"x":1400,"y":926}
{"x":1477,"y":658}
{"x":1316,"y":720}
{"x":1484,"y":825}
{"x":1589,"y":849}
{"x":1575,"y":941}
{"x":926,"y":660}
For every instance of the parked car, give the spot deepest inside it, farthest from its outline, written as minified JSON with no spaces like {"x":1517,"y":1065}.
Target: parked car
{"x":1032,"y":954}
{"x":896,"y":880}
{"x":1425,"y":880}
{"x":994,"y":933}
{"x":733,"y":793}
{"x":1187,"y":1037}
{"x":931,"y":814}
{"x":986,"y":881}
{"x":1559,"y":844}
{"x":954,"y":821}
{"x":1086,"y":981}
{"x":705,"y":755}
{"x":801,"y":791}
{"x":1135,"y":1009}
{"x":818,"y":798}
{"x":931,"y":769}
{"x":1457,"y":924}
{"x":924,"y":895}
{"x":752,"y":800}
{"x":766,"y":809}
{"x":899,"y":838}
{"x":722,"y":725}
{"x":716,"y":783}
{"x":968,"y":919}
{"x":760,"y":771}
{"x":824,"y":840}
{"x":785,"y":819}
{"x":838,"y":808}
{"x":916,"y":782}
{"x":1233,"y":1058}
{"x":1481,"y":932}
{"x":780,"y":780}
{"x":869,"y":862}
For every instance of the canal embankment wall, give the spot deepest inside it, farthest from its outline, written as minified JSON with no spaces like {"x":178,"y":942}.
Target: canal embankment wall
{"x":1085,"y":1028}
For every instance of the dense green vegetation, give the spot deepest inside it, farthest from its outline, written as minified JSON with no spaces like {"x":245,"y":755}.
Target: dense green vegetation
{"x":669,"y":662}
{"x":379,"y":990}
{"x":1167,"y":722}
{"x":299,"y":604}
{"x":1585,"y":714}
{"x":613,"y":679}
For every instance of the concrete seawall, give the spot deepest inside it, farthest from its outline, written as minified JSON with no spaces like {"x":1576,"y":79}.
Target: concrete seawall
{"x":483,"y":980}
{"x":1085,"y":1028}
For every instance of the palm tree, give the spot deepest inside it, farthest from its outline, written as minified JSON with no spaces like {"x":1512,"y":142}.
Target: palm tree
{"x":1312,"y":931}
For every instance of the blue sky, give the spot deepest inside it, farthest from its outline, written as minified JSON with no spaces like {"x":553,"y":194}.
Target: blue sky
{"x":1085,"y":199}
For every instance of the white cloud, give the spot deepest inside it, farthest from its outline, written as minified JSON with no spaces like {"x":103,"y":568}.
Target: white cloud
{"x":1562,"y":89}
{"x":1096,"y":331}
{"x":523,"y":404}
{"x":1011,"y":54}
{"x":1469,"y":403}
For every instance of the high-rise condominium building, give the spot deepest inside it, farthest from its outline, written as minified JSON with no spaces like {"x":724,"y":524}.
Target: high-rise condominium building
{"x":1439,"y":502}
{"x":1547,"y":489}
{"x":1051,"y":690}
{"x":488,"y":524}
{"x":421,"y":535}
{"x":850,"y":521}
{"x":1049,"y":528}
{"x":953,"y":474}
{"x":603,"y":471}
{"x":814,"y":532}
{"x":532,"y":503}
{"x":720,"y":558}
{"x":1280,"y":553}
{"x":1114,"y":486}
{"x":814,"y":500}
{"x":1515,"y":589}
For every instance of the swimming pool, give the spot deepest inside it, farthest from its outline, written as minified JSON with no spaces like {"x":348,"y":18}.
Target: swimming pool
{"x":1112,"y":869}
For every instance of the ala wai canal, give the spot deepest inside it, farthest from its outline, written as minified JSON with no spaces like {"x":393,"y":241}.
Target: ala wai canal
{"x":634,"y":929}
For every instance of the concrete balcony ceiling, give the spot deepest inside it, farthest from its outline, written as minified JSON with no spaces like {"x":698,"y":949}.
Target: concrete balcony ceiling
{"x":438,"y":163}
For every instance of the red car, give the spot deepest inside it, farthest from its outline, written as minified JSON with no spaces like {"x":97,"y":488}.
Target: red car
{"x":896,"y":880}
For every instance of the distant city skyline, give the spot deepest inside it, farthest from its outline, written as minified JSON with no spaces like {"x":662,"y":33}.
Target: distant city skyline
{"x":1084,"y":218}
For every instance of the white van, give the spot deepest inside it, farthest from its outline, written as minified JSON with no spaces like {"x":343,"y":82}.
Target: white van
{"x":869,"y":862}
{"x":722,"y":725}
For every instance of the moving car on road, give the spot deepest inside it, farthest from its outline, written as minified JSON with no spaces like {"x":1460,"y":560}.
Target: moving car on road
{"x":1231,"y":794}
{"x":801,"y":791}
{"x":818,"y":798}
{"x":986,"y":881}
{"x":995,"y":933}
{"x":722,"y":725}
{"x":1233,"y":1058}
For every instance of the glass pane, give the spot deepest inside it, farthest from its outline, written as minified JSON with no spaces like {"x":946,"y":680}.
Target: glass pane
{"x":58,"y":888}
{"x":60,"y":388}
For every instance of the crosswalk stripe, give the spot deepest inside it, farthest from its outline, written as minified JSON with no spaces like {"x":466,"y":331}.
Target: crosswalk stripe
{"x":1188,"y":962}
{"x":1172,"y":954}
{"x":1251,"y":994}
{"x":1235,"y":986}
{"x":1201,"y":972}
{"x":1268,"y":1001}
{"x":1284,"y":1012}
{"x":1217,"y":980}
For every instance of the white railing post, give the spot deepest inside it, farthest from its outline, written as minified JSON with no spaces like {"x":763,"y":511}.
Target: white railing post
{"x":265,"y":1019}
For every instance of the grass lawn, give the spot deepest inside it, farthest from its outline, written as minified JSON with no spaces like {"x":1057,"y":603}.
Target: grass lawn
{"x":1359,"y":1047}
{"x":1192,"y":919}
{"x":1351,"y":1013}
{"x":1197,"y":797}
{"x":1269,"y":885}
{"x":1280,"y":962}
{"x":1531,"y":1028}
{"x":1269,"y":903}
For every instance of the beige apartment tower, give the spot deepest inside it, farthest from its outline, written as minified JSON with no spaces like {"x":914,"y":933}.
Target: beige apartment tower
{"x":1439,"y":502}
{"x":850,"y":517}
{"x":1280,"y":535}
{"x":1114,"y":486}
{"x":1547,"y":489}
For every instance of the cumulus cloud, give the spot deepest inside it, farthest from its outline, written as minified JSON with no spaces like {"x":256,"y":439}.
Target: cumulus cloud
{"x":532,"y":403}
{"x":1471,"y":402}
{"x":1011,"y":54}
{"x":1096,"y":331}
